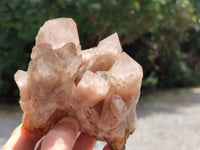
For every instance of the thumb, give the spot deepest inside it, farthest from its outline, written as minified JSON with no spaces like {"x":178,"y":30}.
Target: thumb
{"x":21,"y":139}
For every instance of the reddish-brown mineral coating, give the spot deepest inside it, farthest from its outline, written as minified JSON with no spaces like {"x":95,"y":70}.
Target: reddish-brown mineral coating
{"x":99,"y":87}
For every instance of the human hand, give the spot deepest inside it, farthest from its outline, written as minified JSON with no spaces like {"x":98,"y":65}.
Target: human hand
{"x":62,"y":137}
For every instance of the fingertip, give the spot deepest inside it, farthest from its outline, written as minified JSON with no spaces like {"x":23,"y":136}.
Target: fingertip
{"x":84,"y":142}
{"x":107,"y":148}
{"x":71,"y":122}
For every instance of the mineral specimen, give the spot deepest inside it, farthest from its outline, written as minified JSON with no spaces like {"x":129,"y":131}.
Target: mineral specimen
{"x":99,"y":87}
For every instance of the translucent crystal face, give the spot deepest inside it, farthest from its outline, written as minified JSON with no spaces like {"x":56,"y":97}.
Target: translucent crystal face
{"x":99,"y":87}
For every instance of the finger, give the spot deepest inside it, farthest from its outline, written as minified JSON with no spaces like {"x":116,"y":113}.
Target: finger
{"x":84,"y":142}
{"x":62,"y":136}
{"x":21,"y":139}
{"x":107,"y":148}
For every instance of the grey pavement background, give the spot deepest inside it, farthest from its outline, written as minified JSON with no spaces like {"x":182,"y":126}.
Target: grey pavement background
{"x":168,"y":120}
{"x":8,"y":122}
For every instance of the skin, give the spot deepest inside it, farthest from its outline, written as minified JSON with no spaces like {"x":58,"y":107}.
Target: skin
{"x":62,"y":137}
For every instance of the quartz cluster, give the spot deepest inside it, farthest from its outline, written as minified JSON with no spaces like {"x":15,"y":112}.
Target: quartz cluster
{"x":99,"y":87}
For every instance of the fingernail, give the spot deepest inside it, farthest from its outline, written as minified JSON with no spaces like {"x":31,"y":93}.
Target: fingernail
{"x":70,"y":122}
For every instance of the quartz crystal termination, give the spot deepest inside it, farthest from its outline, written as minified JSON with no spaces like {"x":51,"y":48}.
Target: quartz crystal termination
{"x":99,"y":87}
